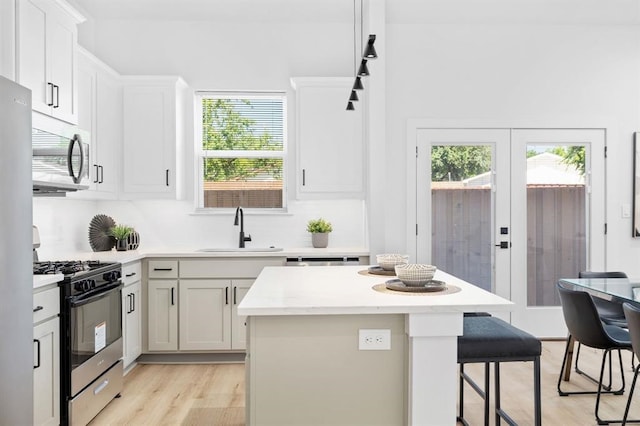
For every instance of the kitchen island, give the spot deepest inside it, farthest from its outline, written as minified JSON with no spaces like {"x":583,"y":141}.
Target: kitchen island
{"x":304,"y":365}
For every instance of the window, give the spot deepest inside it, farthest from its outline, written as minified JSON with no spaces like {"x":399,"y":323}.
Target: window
{"x":242,"y":149}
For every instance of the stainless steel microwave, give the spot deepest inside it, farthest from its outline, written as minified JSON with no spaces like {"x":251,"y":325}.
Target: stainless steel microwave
{"x":60,"y":158}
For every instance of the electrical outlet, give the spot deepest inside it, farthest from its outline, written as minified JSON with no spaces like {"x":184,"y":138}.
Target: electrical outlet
{"x":374,"y":340}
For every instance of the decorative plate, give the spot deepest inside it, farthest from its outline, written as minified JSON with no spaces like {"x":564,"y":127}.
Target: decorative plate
{"x":377,"y":270}
{"x":99,"y":238}
{"x":433,"y":285}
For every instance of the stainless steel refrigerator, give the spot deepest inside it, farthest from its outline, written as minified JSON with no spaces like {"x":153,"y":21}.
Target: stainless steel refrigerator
{"x":16,"y":257}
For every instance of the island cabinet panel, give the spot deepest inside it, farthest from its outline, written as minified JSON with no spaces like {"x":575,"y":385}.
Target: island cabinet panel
{"x":323,"y":363}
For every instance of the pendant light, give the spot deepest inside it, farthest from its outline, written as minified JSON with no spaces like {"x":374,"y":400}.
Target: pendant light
{"x":370,"y":51}
{"x":363,"y":71}
{"x":368,"y":54}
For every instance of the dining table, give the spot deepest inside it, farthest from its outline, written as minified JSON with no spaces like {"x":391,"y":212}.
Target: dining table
{"x":618,"y":290}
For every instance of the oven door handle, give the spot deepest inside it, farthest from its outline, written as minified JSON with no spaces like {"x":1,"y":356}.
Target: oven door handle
{"x":104,"y":292}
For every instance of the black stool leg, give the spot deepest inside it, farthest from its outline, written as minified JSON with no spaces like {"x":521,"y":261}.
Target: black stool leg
{"x":461,"y":390}
{"x":537,"y":392}
{"x":486,"y":391}
{"x":497,"y":391}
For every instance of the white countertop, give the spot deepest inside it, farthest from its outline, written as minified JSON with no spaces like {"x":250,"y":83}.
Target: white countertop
{"x":44,"y":280}
{"x":133,"y":255}
{"x":336,"y":290}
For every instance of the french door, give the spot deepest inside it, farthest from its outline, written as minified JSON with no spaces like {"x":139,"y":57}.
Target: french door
{"x":512,"y":211}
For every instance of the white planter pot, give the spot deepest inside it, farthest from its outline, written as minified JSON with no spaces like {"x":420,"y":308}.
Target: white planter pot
{"x":320,"y":239}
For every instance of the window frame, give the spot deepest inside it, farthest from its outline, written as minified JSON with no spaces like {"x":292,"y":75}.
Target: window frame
{"x":200,"y":154}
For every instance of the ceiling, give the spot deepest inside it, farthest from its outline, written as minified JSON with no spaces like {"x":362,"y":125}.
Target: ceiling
{"x":397,"y":11}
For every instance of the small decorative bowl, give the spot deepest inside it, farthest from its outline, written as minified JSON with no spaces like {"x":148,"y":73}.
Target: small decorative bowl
{"x":415,"y":274}
{"x":389,"y":261}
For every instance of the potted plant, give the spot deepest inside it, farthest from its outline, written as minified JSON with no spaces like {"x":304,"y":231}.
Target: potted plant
{"x":120,"y":233}
{"x":319,"y":229}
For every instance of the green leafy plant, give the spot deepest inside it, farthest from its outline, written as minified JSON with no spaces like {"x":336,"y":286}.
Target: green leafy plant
{"x":316,"y":226}
{"x":120,"y":232}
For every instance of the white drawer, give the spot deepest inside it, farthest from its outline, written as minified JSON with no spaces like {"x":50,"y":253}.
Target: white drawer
{"x":46,"y":304}
{"x":163,"y":269}
{"x":227,"y":268}
{"x":131,"y":272}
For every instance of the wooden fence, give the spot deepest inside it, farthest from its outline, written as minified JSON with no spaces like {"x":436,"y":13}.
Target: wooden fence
{"x":556,"y":238}
{"x":266,"y":194}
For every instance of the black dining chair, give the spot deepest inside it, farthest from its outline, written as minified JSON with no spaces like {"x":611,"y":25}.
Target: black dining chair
{"x":610,"y":313}
{"x":585,"y":326}
{"x":632,"y":314}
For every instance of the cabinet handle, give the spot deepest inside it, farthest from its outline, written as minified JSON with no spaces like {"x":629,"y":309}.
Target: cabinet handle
{"x":130,"y":275}
{"x":172,"y":301}
{"x":226,"y":295}
{"x":167,"y":177}
{"x":57,"y":88}
{"x":38,"y":308}
{"x":163,"y":269}
{"x":235,"y":296}
{"x":130,"y":297}
{"x":304,"y":177}
{"x":101,"y":174}
{"x":50,"y":102}
{"x":97,"y":173}
{"x":133,"y":302}
{"x":37,"y":342}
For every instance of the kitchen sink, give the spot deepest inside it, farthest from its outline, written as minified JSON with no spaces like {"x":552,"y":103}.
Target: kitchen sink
{"x":237,"y":249}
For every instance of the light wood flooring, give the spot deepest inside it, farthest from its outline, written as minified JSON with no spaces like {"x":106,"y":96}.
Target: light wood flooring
{"x":214,"y":394}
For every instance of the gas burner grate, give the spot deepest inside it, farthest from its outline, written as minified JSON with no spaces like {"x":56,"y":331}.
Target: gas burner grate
{"x":64,"y":267}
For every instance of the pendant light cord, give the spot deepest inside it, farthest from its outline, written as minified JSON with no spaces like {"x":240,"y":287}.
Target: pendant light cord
{"x":354,"y":38}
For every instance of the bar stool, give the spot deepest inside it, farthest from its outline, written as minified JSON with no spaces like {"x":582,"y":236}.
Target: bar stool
{"x":487,"y":339}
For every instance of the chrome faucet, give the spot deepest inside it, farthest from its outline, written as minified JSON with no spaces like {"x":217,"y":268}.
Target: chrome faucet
{"x":235,"y":223}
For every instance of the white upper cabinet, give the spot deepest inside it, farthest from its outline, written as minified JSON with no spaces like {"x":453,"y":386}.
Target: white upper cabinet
{"x":100,"y":113}
{"x":329,"y":140}
{"x":46,"y":55}
{"x":153,"y":136}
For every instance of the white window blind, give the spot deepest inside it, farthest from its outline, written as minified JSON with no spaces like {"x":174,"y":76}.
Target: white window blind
{"x":242,"y":150}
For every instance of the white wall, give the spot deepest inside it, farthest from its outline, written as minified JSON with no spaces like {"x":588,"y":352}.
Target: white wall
{"x":227,"y":56}
{"x":542,"y":73}
{"x":541,"y":61}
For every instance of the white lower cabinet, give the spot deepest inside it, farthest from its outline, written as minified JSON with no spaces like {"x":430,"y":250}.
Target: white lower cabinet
{"x":198,"y":310}
{"x":205,"y":315}
{"x":131,"y":313}
{"x":46,"y":354}
{"x":239,"y":324}
{"x":162,"y":325}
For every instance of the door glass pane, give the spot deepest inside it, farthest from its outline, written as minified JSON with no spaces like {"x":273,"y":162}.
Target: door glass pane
{"x":461,"y":217}
{"x":556,"y":219}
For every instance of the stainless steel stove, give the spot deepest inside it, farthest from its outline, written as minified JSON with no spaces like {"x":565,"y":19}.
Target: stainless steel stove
{"x":90,"y":336}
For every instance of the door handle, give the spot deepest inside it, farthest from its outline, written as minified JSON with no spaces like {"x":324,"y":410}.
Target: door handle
{"x":96,"y":180}
{"x":57,"y":88}
{"x":36,"y":341}
{"x":101,"y":174}
{"x":503,"y":244}
{"x":50,"y":102}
